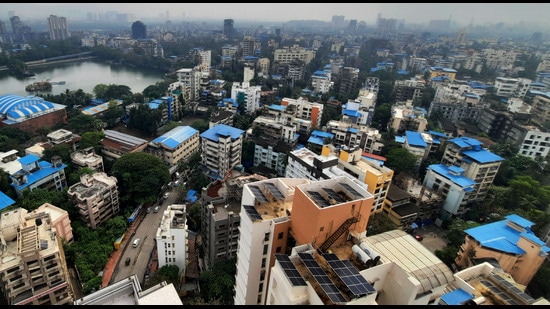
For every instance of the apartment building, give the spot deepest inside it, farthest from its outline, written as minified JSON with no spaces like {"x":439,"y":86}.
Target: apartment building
{"x":171,"y":238}
{"x":391,"y":268}
{"x":288,"y":54}
{"x":439,"y":72}
{"x":486,"y":284}
{"x":115,"y":144}
{"x":271,"y":154}
{"x":408,"y":118}
{"x":39,"y":174}
{"x":33,"y":269}
{"x":246,"y":95}
{"x":326,"y":211}
{"x":87,"y":158}
{"x":59,"y":220}
{"x":419,"y":144}
{"x":350,"y":135}
{"x":175,"y":146}
{"x":303,"y":111}
{"x":221,"y":148}
{"x":320,"y":82}
{"x":510,"y":243}
{"x":58,"y":28}
{"x":456,"y":189}
{"x":189,"y":80}
{"x":63,"y":136}
{"x":536,"y":143}
{"x":274,"y":127}
{"x":9,"y":161}
{"x":96,"y":198}
{"x":406,"y":90}
{"x":541,"y":107}
{"x":512,"y":87}
{"x":479,"y":165}
{"x":349,"y":76}
{"x":376,"y":176}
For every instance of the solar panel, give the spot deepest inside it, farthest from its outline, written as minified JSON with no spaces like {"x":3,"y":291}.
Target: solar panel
{"x":350,"y":189}
{"x":351,"y":277}
{"x":512,"y":288}
{"x":274,"y":191}
{"x":258,"y":194}
{"x":252,"y":213}
{"x":334,"y":195}
{"x":324,"y":281}
{"x":498,"y":292}
{"x":318,"y":198}
{"x":290,"y":270}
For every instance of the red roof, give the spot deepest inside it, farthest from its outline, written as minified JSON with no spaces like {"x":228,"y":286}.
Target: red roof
{"x":373,"y":156}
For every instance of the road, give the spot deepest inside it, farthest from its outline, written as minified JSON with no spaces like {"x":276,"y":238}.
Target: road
{"x":145,"y":229}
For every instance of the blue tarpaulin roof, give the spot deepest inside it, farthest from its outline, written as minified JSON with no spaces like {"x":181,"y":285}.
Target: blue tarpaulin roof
{"x":466,"y":142}
{"x":28,"y":159}
{"x":499,"y":236}
{"x":277,"y":107}
{"x":399,"y":139}
{"x":191,"y":196}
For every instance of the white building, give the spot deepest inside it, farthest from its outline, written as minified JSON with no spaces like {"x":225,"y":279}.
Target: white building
{"x":248,"y":95}
{"x":171,"y":237}
{"x":535,"y":144}
{"x":221,"y":148}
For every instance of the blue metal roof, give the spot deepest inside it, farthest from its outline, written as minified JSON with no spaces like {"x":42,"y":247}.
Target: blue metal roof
{"x":482,"y":156}
{"x":221,"y":130}
{"x":415,"y":139}
{"x":5,"y":201}
{"x":28,"y":159}
{"x":466,"y":142}
{"x":460,"y":180}
{"x":400,"y":139}
{"x":402,"y":72}
{"x":322,"y":134}
{"x":315,"y":140}
{"x":499,"y":236}
{"x":277,"y":107}
{"x":456,"y":297}
{"x":351,"y":112}
{"x":46,"y":169}
{"x":17,"y":106}
{"x":176,"y":136}
{"x":437,"y":133}
{"x":353,"y":130}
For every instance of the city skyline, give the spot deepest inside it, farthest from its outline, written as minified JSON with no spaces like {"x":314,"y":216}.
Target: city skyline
{"x":418,"y":13}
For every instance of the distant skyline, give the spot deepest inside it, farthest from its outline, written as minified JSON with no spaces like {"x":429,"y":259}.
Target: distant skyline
{"x":412,"y":13}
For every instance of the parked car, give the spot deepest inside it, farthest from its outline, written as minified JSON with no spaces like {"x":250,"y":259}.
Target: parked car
{"x":156,"y":209}
{"x":136,"y":242}
{"x":418,"y":237}
{"x":166,"y":195}
{"x":127,"y":262}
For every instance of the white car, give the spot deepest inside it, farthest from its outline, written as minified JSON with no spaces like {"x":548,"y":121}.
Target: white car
{"x":166,"y":195}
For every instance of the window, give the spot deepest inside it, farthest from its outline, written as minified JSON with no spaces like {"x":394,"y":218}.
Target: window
{"x":265,"y":249}
{"x":264,"y":260}
{"x":322,"y":229}
{"x":278,"y":250}
{"x":280,"y":236}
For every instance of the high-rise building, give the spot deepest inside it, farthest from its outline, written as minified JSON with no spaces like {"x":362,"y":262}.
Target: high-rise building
{"x":228,"y":29}
{"x":338,"y":21}
{"x":58,"y":28}
{"x":139,"y":30}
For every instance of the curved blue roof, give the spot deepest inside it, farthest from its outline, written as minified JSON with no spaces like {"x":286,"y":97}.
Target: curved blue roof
{"x":15,"y":106}
{"x":176,"y":136}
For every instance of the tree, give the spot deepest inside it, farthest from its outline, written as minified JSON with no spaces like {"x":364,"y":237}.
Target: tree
{"x":140,"y":176}
{"x":217,"y":283}
{"x":84,"y":123}
{"x":100,"y":90}
{"x":113,"y":114}
{"x":31,"y":200}
{"x":400,"y":160}
{"x":380,"y":223}
{"x":91,"y":139}
{"x":145,"y":119}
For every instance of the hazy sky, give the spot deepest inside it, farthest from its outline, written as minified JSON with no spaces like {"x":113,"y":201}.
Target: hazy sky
{"x":462,"y":13}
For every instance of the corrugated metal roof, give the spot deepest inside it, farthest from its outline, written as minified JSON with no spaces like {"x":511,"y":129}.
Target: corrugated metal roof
{"x":482,"y":156}
{"x":499,"y":236}
{"x":176,"y":136}
{"x":315,"y":140}
{"x":221,"y":129}
{"x":415,"y":139}
{"x":456,"y":297}
{"x":28,"y":159}
{"x":277,"y":107}
{"x":459,"y":180}
{"x":5,"y":201}
{"x":400,"y":247}
{"x":466,"y":142}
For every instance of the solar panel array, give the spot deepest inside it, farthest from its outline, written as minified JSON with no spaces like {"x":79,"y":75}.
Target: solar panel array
{"x":350,"y":189}
{"x":318,"y":198}
{"x":274,"y":191}
{"x":499,"y":292}
{"x":290,"y":270}
{"x":252,"y":213}
{"x":514,"y":289}
{"x":351,"y":277}
{"x":334,"y":195}
{"x":324,"y":281}
{"x":258,"y":194}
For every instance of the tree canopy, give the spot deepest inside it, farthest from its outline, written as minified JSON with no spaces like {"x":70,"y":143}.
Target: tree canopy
{"x":140,"y":175}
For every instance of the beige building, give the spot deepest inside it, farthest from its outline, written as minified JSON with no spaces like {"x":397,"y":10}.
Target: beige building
{"x":33,"y":269}
{"x":96,"y":197}
{"x":510,"y":243}
{"x":175,"y":146}
{"x":87,"y":158}
{"x":59,"y":220}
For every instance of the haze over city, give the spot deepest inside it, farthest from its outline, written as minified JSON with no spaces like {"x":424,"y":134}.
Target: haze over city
{"x":460,"y":13}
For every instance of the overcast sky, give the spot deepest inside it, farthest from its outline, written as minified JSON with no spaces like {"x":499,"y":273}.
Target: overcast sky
{"x":463,"y":13}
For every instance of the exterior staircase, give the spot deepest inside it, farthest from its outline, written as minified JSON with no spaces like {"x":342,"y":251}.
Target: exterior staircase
{"x":341,"y":230}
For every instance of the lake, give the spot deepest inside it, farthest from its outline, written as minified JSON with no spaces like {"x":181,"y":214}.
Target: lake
{"x":83,"y":75}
